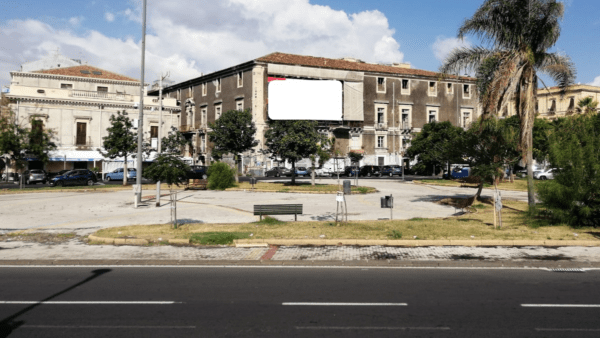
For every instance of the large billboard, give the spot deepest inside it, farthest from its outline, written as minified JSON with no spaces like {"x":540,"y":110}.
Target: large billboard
{"x":292,"y":99}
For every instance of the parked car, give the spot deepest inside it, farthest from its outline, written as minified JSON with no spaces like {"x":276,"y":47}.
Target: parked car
{"x":302,"y":171}
{"x":323,"y":172}
{"x":370,"y":170}
{"x":278,"y":172}
{"x":117,"y":174}
{"x":547,"y":174}
{"x":350,"y":171}
{"x":391,"y":170}
{"x":34,"y":176}
{"x":12,"y":177}
{"x":53,"y":175}
{"x":74,"y":177}
{"x":198,"y":172}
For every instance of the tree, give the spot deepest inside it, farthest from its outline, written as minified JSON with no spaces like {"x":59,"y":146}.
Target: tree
{"x":587,"y":105}
{"x":435,"y":146}
{"x":519,"y":33}
{"x":233,"y":133}
{"x":572,"y":197}
{"x":19,"y":143}
{"x":489,"y":145}
{"x":323,"y":155}
{"x":121,"y":140}
{"x":292,"y":140}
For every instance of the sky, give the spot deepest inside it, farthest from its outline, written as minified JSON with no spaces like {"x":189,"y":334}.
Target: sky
{"x":191,"y":37}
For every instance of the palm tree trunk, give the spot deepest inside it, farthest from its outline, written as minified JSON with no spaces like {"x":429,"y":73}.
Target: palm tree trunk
{"x":530,"y":187}
{"x":527,"y":117}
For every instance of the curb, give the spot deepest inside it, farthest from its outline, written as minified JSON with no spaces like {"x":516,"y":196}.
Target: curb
{"x":412,"y":243}
{"x":118,"y":241}
{"x":300,"y":192}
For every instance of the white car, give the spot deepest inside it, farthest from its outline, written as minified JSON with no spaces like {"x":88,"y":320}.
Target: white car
{"x":324,"y":172}
{"x":547,"y":174}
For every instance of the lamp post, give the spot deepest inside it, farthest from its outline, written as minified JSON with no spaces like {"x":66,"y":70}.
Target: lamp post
{"x":138,"y":176}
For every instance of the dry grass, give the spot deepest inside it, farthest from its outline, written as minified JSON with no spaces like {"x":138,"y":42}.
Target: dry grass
{"x":517,"y":185}
{"x":301,"y":187}
{"x":147,"y":188}
{"x":517,"y":226}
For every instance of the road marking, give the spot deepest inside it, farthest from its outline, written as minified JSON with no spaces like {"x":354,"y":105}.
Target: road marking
{"x":91,"y":302}
{"x":402,"y":328}
{"x":102,"y":327}
{"x":560,"y":305}
{"x":343,"y":304}
{"x":566,"y":330}
{"x":275,"y":267}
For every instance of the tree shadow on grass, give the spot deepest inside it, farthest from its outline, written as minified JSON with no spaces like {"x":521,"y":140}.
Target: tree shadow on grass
{"x":10,"y":323}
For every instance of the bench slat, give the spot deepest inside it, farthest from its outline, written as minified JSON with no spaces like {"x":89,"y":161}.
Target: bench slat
{"x":278,"y":209}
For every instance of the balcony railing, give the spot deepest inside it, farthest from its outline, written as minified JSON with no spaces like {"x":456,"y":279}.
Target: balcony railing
{"x":82,"y":142}
{"x":101,"y":95}
{"x":405,"y":126}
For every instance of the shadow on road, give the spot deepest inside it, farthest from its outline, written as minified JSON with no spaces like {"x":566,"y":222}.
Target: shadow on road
{"x":10,"y":323}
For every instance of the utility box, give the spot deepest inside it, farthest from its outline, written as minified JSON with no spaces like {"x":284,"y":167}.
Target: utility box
{"x":387,"y":202}
{"x":252,"y":181}
{"x":347,"y":187}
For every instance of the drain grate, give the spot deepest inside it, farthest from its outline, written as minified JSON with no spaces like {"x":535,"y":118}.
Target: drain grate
{"x":568,"y":270}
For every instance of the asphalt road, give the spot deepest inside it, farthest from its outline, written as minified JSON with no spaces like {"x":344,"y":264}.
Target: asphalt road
{"x":296,"y":302}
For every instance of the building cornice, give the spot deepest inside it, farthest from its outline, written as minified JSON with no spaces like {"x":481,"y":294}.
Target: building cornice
{"x":75,"y":78}
{"x":90,"y":104}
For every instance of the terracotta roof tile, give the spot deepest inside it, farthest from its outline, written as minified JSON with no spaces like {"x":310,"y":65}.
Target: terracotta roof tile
{"x":320,"y":62}
{"x":76,"y":71}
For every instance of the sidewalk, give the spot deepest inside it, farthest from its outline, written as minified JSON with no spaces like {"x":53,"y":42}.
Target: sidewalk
{"x":77,"y":252}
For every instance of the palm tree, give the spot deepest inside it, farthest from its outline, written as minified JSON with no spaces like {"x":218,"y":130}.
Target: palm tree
{"x":587,"y":105}
{"x":517,"y":34}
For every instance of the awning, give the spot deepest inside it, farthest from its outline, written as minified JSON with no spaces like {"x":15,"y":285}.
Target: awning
{"x":76,"y":155}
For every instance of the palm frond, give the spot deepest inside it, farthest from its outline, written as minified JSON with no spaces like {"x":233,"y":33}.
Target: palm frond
{"x":465,"y":58}
{"x":559,"y":67}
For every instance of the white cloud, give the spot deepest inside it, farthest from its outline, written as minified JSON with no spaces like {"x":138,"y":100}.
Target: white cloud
{"x":75,"y":21}
{"x":443,"y":46}
{"x":596,"y":81}
{"x":210,"y":37}
{"x":108,"y":16}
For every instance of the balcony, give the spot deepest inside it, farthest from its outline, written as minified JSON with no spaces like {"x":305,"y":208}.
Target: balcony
{"x":405,"y":126}
{"x":82,"y":142}
{"x":101,"y":95}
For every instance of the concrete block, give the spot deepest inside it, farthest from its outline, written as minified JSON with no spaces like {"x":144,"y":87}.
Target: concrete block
{"x":136,"y":241}
{"x":251,"y":245}
{"x":555,"y":243}
{"x":472,"y":242}
{"x":425,"y":242}
{"x":496,"y":242}
{"x":179,"y":241}
{"x":401,"y":242}
{"x":521,"y":242}
{"x":370,"y":242}
{"x":120,"y":241}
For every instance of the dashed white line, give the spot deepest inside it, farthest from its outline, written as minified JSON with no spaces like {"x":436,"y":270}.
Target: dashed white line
{"x":342,"y":304}
{"x":401,"y":328}
{"x":103,"y":327}
{"x":567,"y":330}
{"x":560,"y":305}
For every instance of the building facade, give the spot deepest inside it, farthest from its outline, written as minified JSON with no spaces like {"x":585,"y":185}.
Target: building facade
{"x":76,"y":103}
{"x":382,"y":106}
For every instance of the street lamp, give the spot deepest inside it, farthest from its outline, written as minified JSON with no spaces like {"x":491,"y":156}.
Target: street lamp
{"x":138,"y":176}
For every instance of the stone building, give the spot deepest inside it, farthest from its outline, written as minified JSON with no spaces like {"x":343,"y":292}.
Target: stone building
{"x":76,"y":103}
{"x":376,"y":108}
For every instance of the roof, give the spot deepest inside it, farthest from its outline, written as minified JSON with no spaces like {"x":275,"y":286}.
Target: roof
{"x":87,"y":71}
{"x":321,"y":62}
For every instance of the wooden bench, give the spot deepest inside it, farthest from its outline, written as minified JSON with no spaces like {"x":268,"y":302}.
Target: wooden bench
{"x":196,"y":184}
{"x":278,"y":209}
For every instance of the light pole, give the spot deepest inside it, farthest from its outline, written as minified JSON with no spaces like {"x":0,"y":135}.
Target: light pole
{"x":138,"y":176}
{"x":159,"y":145}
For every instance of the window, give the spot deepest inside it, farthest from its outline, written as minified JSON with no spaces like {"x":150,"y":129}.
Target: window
{"x":380,"y":115}
{"x":537,"y":105}
{"x":217,"y":112}
{"x":66,"y":86}
{"x":380,"y":141}
{"x":240,"y":79}
{"x":37,"y":127}
{"x":203,"y":116}
{"x":95,"y":72}
{"x":81,"y":134}
{"x":432,"y":116}
{"x":552,"y":106}
{"x":381,"y":84}
{"x":239,"y":105}
{"x":355,"y":142}
{"x":102,"y":89}
{"x":218,"y":85}
{"x":204,"y":89}
{"x":571,"y":104}
{"x":466,"y":119}
{"x":84,"y":71}
{"x":432,"y":88}
{"x":449,"y":88}
{"x":153,"y":131}
{"x":405,"y":87}
{"x":405,"y":119}
{"x":466,"y":91}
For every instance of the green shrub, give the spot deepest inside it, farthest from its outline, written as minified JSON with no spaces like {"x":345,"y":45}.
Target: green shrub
{"x":219,"y":237}
{"x":395,"y":234}
{"x":220,"y":176}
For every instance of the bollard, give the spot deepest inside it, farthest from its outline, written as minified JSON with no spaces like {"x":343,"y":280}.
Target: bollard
{"x":347,"y":187}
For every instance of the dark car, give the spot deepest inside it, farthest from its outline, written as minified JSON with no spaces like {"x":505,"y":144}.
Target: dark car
{"x":34,"y":176}
{"x":53,"y":175}
{"x":198,"y":172}
{"x":278,"y":172}
{"x":350,"y":171}
{"x":391,"y":170}
{"x":370,"y":170}
{"x":75,"y":177}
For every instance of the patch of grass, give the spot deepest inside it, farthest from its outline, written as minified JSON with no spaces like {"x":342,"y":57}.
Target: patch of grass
{"x":395,"y":234}
{"x":69,"y":235}
{"x":267,"y":220}
{"x":480,"y":206}
{"x":302,"y":187}
{"x":418,"y":219}
{"x":362,"y":190}
{"x":517,"y":185}
{"x":218,"y":237}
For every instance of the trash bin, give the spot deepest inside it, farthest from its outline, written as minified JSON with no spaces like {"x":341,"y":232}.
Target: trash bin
{"x":347,"y":187}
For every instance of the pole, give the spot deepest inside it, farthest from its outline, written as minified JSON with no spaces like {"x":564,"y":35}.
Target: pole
{"x":159,"y":133}
{"x":138,"y":176}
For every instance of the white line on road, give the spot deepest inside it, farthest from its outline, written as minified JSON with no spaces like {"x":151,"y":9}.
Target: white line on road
{"x":343,"y":304}
{"x":368,"y":328}
{"x":91,"y":302}
{"x":560,"y":305}
{"x":102,"y":327}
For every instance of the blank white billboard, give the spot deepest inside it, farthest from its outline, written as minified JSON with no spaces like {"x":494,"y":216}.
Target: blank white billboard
{"x":291,"y":99}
